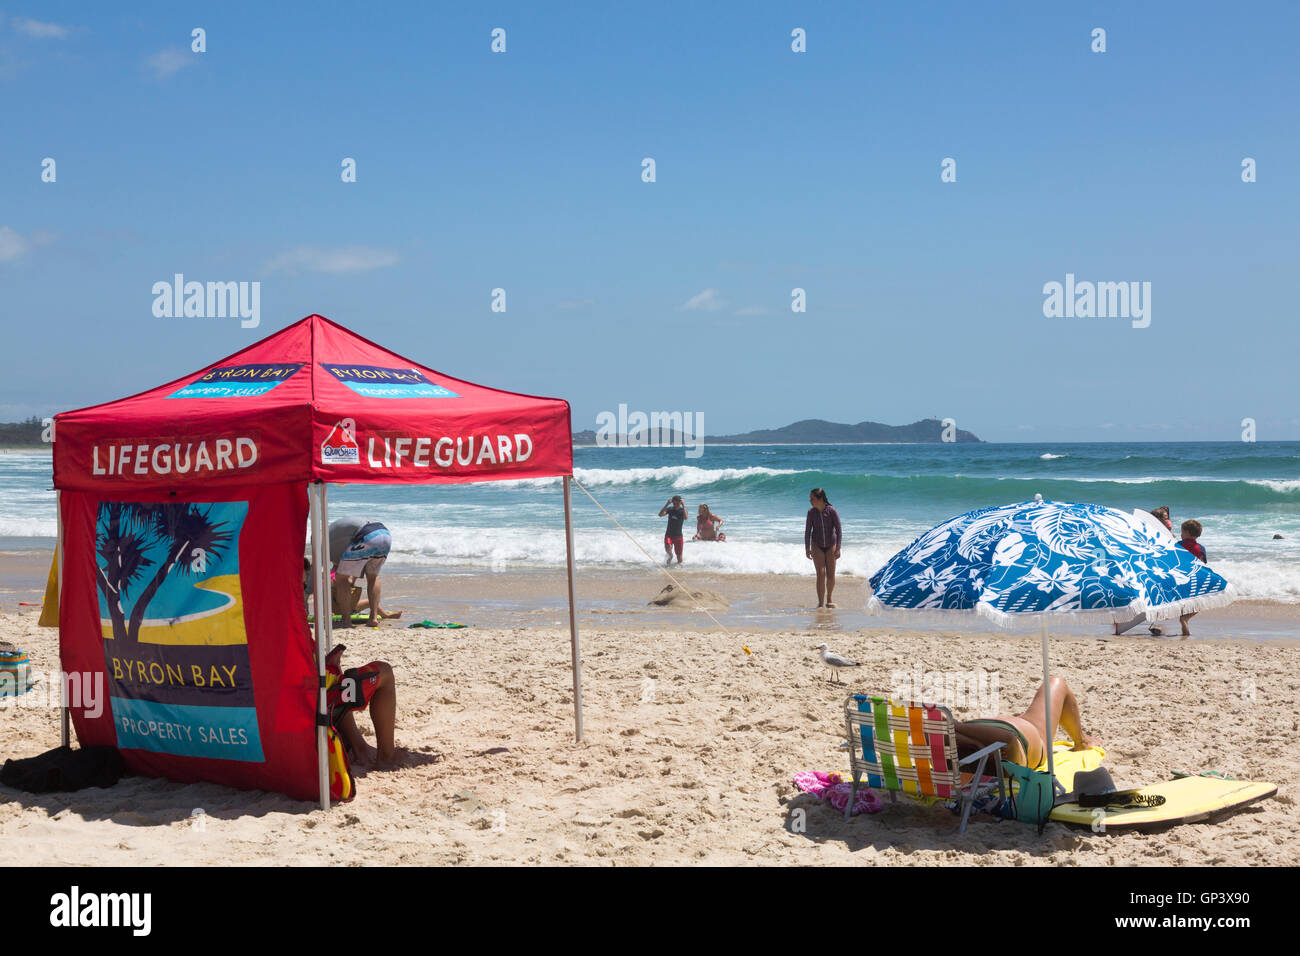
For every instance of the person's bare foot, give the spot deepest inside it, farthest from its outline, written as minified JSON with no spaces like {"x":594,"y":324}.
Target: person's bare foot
{"x":397,"y":759}
{"x":390,"y":615}
{"x":830,"y":604}
{"x":1186,"y":633}
{"x":1086,"y":743}
{"x":366,"y":759}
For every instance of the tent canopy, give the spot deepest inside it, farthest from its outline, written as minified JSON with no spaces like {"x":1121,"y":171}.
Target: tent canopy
{"x":313,"y":401}
{"x":182,"y":512}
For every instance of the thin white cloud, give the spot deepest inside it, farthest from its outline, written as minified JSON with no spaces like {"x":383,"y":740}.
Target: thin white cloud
{"x":42,"y":31}
{"x":334,"y":261}
{"x":706,"y":301}
{"x":14,"y":246}
{"x":169,"y":61}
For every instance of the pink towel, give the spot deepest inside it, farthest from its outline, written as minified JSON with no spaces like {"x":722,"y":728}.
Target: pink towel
{"x":835,"y":789}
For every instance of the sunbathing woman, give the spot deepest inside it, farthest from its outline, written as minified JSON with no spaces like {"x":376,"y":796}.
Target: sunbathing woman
{"x":1023,"y":733}
{"x":706,"y":526}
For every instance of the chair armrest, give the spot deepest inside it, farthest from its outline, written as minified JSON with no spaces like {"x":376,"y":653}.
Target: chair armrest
{"x":981,"y":753}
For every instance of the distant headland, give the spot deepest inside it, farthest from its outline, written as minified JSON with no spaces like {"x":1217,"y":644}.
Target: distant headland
{"x":810,"y":431}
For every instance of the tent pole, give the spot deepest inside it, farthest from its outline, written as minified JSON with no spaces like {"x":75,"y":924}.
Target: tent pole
{"x":322,"y":610}
{"x":1049,"y":743}
{"x":573,"y":613}
{"x":328,"y":624}
{"x":65,"y":735}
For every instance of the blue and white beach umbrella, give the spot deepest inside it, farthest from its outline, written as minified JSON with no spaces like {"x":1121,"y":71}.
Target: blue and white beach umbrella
{"x":1037,"y":559}
{"x":1048,"y":558}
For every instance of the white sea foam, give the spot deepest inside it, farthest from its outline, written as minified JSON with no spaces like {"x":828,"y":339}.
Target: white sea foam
{"x":1282,"y":486}
{"x":506,"y":549}
{"x":16,"y":527}
{"x":1050,"y":457}
{"x":680,"y":477}
{"x":1262,"y":579}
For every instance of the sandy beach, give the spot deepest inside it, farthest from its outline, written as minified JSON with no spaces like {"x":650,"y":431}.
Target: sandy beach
{"x":690,"y":744}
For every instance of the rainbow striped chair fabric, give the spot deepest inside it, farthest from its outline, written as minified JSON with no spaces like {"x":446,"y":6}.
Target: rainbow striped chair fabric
{"x":912,"y":749}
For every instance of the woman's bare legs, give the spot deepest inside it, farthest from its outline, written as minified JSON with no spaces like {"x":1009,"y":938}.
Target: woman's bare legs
{"x":819,"y":562}
{"x":1065,"y":714}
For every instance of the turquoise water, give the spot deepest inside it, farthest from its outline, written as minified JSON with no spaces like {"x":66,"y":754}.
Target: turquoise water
{"x":886,"y":495}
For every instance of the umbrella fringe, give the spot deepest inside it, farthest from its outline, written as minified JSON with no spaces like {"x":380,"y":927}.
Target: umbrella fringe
{"x":1191,"y":605}
{"x":1005,"y":619}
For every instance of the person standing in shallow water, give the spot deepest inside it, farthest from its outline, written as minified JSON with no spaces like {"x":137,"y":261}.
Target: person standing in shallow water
{"x":675,"y":509}
{"x":821,"y":543}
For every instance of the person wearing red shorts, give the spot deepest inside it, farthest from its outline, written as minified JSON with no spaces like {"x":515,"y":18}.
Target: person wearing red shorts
{"x":675,"y":509}
{"x":357,"y":688}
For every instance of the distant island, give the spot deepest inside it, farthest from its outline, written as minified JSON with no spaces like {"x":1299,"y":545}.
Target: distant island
{"x":810,"y":431}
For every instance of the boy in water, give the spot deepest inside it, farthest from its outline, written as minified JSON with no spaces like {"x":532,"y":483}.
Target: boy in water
{"x":1191,"y":531}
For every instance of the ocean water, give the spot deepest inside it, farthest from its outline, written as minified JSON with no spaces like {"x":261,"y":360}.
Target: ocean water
{"x":886,"y":495}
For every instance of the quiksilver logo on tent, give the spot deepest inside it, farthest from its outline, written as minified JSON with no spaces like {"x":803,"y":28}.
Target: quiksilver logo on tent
{"x":340,"y":447}
{"x":75,"y":908}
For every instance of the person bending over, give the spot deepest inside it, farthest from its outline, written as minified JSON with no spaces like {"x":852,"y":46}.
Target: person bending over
{"x":358,"y":548}
{"x":357,"y":688}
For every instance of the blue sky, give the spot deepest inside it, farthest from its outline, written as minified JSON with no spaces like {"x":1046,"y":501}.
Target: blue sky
{"x":775,"y":170}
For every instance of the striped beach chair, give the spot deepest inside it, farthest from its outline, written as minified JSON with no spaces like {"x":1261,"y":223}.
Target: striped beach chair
{"x":912,"y":749}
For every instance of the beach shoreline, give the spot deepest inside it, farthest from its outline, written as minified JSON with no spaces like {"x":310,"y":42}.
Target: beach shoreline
{"x":609,"y":598}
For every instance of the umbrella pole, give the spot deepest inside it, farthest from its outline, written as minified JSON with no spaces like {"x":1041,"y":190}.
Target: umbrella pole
{"x":1049,"y":741}
{"x":573,"y":615}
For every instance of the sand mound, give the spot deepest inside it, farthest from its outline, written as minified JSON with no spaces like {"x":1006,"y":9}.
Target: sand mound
{"x":688,"y":598}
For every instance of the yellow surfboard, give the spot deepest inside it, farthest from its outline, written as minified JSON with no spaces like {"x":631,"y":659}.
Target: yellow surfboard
{"x":1187,"y":800}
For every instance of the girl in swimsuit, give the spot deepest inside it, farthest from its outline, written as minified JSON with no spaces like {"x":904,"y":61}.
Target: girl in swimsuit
{"x":821,"y":543}
{"x":706,"y":525}
{"x":1024,"y":734}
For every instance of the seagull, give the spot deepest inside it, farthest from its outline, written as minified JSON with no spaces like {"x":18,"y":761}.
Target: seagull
{"x":835,"y":661}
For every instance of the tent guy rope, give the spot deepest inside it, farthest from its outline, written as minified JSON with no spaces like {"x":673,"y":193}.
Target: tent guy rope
{"x":669,"y":574}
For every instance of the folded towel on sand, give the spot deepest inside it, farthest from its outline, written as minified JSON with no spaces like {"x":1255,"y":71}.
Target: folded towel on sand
{"x":835,"y":789}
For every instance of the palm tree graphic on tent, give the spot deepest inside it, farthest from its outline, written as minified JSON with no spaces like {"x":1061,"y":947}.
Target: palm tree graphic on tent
{"x":129,"y":539}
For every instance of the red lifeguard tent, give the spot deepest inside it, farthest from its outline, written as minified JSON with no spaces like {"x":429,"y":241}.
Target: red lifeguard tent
{"x":182,"y":512}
